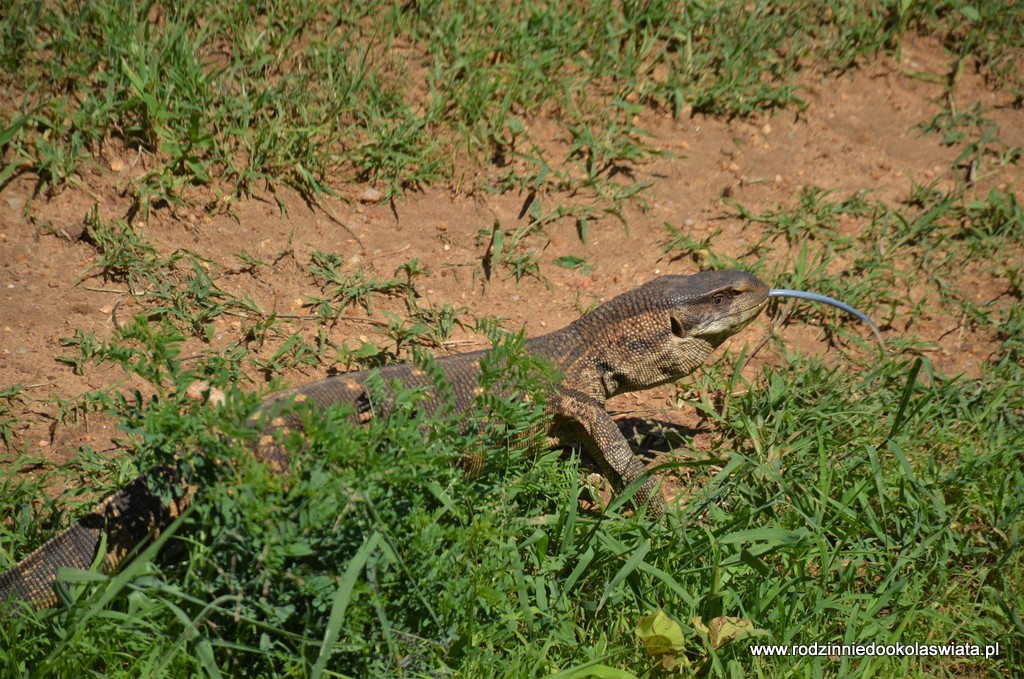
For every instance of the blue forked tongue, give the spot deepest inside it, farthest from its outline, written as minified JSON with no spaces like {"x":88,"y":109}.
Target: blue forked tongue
{"x":814,"y":297}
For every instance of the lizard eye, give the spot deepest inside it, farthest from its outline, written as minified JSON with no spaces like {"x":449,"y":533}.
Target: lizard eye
{"x":718,"y":300}
{"x":677,"y":328}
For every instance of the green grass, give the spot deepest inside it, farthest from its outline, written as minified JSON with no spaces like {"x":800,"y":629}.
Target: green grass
{"x":851,"y":498}
{"x":304,"y":95}
{"x":861,"y":505}
{"x":846,"y":501}
{"x":309,"y":96}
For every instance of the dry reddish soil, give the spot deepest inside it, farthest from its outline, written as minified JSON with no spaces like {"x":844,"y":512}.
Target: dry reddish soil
{"x":857,"y":134}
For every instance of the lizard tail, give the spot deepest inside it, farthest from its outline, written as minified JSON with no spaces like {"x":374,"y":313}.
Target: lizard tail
{"x":122,"y":522}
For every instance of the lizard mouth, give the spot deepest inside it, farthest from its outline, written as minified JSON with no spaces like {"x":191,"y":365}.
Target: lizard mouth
{"x":742,"y":316}
{"x":746,"y":312}
{"x":730,"y":322}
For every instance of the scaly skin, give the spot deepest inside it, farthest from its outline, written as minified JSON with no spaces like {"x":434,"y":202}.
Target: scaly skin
{"x":652,"y":335}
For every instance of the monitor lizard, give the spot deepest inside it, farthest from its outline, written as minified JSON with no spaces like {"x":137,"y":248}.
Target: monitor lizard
{"x":649,"y":336}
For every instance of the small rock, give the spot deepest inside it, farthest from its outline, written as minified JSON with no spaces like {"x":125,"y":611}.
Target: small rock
{"x":116,"y":166}
{"x":196,"y":390}
{"x":371,"y":195}
{"x":217,"y":398}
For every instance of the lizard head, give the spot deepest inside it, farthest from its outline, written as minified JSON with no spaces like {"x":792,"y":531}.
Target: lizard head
{"x":665,"y":329}
{"x":714,"y":305}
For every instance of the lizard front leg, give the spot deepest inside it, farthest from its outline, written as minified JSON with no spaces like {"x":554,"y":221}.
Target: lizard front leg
{"x":586,"y":421}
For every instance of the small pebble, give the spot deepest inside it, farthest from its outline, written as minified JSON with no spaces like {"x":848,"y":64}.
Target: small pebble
{"x":371,"y":195}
